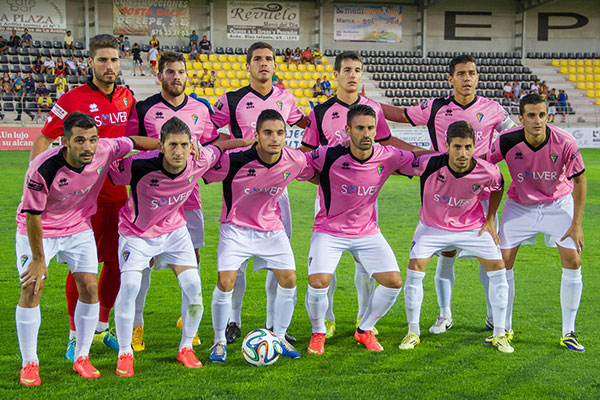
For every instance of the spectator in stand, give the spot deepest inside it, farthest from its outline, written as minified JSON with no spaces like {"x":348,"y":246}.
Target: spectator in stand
{"x":7,"y":84}
{"x":61,"y":85}
{"x":3,"y":46}
{"x":29,"y":83}
{"x":195,"y":53}
{"x":121,"y":40}
{"x":287,"y":56}
{"x":137,"y":58}
{"x":68,"y":40}
{"x":522,"y":94}
{"x":205,"y":78}
{"x":326,"y":86}
{"x":213,"y":79}
{"x":37,"y":65}
{"x":127,"y":47}
{"x":307,"y":55}
{"x":40,"y":91}
{"x":194,"y":38}
{"x":535,"y":88}
{"x":153,"y":56}
{"x":44,"y":103}
{"x":82,"y":66}
{"x":562,"y":104}
{"x":508,"y":90}
{"x":154,"y":42}
{"x":61,"y":68}
{"x":18,"y":88}
{"x":26,"y":39}
{"x":205,"y":45}
{"x":544,"y":89}
{"x":317,"y":56}
{"x":516,"y":91}
{"x":297,"y":56}
{"x":195,"y":81}
{"x":28,"y":87}
{"x":280,"y":84}
{"x":14,"y":40}
{"x":71,"y":66}
{"x":317,"y":89}
{"x":552,"y":99}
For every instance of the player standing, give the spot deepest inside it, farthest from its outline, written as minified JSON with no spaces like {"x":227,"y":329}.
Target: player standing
{"x":110,"y":106}
{"x":326,"y":127}
{"x":350,"y":179}
{"x":238,"y":110}
{"x":152,"y":225}
{"x":547,"y":195}
{"x":485,"y":116}
{"x":147,"y":119}
{"x":251,"y":225}
{"x":59,"y":198}
{"x":452,"y":217}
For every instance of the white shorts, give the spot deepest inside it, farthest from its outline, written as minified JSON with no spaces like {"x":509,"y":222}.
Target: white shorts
{"x":552,"y":110}
{"x":173,"y":248}
{"x":372,"y":251}
{"x":270,"y":249}
{"x":429,"y":241}
{"x":78,"y":251}
{"x":521,"y":223}
{"x":195,"y":226}
{"x":286,"y":212}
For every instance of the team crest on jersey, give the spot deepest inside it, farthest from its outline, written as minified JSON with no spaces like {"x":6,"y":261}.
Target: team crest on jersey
{"x":194,"y":118}
{"x":553,"y":157}
{"x":24,"y":260}
{"x":126,"y":255}
{"x":93,"y":107}
{"x":479,"y":116}
{"x":475,"y":187}
{"x":126,"y":102}
{"x":286,"y":174}
{"x":380,"y":169}
{"x":280,"y":105}
{"x":99,"y":170}
{"x":191,"y":179}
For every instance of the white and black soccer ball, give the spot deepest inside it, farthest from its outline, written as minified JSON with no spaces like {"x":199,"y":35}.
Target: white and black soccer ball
{"x":260,"y":347}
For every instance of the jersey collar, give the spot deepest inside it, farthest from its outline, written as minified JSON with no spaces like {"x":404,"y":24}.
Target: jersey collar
{"x":167,"y":173}
{"x":260,"y":95}
{"x":254,"y":154}
{"x":356,"y":159}
{"x":337,"y":100}
{"x":62,"y":160}
{"x":541,"y":146}
{"x":95,"y":88}
{"x":458,"y":175}
{"x":468,"y":105}
{"x":172,"y":107}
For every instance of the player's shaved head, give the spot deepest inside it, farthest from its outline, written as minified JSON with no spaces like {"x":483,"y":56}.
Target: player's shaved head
{"x":77,"y":120}
{"x":268,"y":115}
{"x":103,"y":41}
{"x":346,"y":55}
{"x":359,"y":109}
{"x":174,"y":126}
{"x":462,"y":59}
{"x":532,"y":98}
{"x":460,"y":129}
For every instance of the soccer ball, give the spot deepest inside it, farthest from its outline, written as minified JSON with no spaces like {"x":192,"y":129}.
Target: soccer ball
{"x":260,"y":347}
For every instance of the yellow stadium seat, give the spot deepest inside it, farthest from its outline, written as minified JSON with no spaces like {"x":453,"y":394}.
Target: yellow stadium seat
{"x":288,"y":76}
{"x":597,"y":93}
{"x":334,"y":84}
{"x":325,"y":60}
{"x":223,"y":83}
{"x":563,"y":63}
{"x":298,"y":76}
{"x":278,"y":59}
{"x":226,"y":66}
{"x":589,"y":70}
{"x":320,"y":68}
{"x":322,"y":99}
{"x":199,"y":91}
{"x":329,"y":68}
{"x":298,"y":92}
{"x":581,"y":85}
{"x":213,"y":57}
{"x":307,"y":76}
{"x":587,"y":63}
{"x":307,"y":93}
{"x":189,"y":90}
{"x":222,"y":58}
{"x":230,"y":74}
{"x":241,"y":59}
{"x":303,"y":100}
{"x":597,"y":77}
{"x":596,"y":63}
{"x":573,"y":78}
{"x":589,"y":85}
{"x":229,"y":89}
{"x":311,"y":83}
{"x":279,"y":75}
{"x":307,"y":110}
{"x":572,"y":70}
{"x":221,"y":74}
{"x":580,"y":70}
{"x":302,"y":84}
{"x":189,"y":65}
{"x":581,"y":78}
{"x":579,"y":63}
{"x":572,"y":63}
{"x":231,"y":58}
{"x":286,"y":83}
{"x":301,"y":67}
{"x":316,"y":75}
{"x":555,"y":63}
{"x":219,"y":91}
{"x":564,"y":70}
{"x":240,"y":74}
{"x":186,"y":56}
{"x":236,"y":66}
{"x":590,"y":93}
{"x":310,"y":68}
{"x":197,"y":65}
{"x":282,"y":67}
{"x":293,"y":84}
{"x":597,"y":85}
{"x":293,"y":67}
{"x":203,"y":57}
{"x":244,"y":82}
{"x":209,"y":91}
{"x":207,"y":65}
{"x":213,"y":100}
{"x":235,"y":83}
{"x":216,"y":66}
{"x":597,"y":70}
{"x":589,"y":77}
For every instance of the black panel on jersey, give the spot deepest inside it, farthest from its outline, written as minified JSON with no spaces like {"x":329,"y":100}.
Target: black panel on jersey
{"x":435,"y":164}
{"x":510,"y":140}
{"x":233,"y":99}
{"x":139,"y":169}
{"x":541,"y":146}
{"x":142,"y":108}
{"x":50,"y":167}
{"x":320,"y":111}
{"x":460,"y":105}
{"x":332,"y":154}
{"x":237,"y":161}
{"x":435,"y":107}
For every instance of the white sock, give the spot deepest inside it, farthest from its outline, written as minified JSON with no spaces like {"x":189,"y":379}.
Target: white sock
{"x":498,"y":290}
{"x":286,"y":213}
{"x":413,"y":298}
{"x":316,"y":305}
{"x":140,"y":300}
{"x":193,"y":308}
{"x":571,"y":286}
{"x":444,"y":282}
{"x":221,"y":309}
{"x":330,"y":292}
{"x":125,"y":309}
{"x":271,"y":290}
{"x":382,"y":300}
{"x":485,"y":281}
{"x":284,"y":310}
{"x":510,"y":280}
{"x":86,"y":318}
{"x":364,"y":288}
{"x":239,"y":288}
{"x":28,"y":325}
{"x":72,"y":334}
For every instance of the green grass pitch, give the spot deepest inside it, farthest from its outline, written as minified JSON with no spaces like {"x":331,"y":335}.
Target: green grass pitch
{"x":454,"y":365}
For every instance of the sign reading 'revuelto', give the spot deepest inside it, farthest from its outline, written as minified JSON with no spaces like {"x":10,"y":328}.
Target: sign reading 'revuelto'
{"x":261,"y":20}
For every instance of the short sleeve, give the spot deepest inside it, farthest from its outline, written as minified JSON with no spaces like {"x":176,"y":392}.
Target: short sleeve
{"x":504,"y":120}
{"x":306,"y":172}
{"x":495,"y":154}
{"x":120,"y":147}
{"x":311,"y":133}
{"x":209,"y":157}
{"x":295,"y":114}
{"x":416,"y":166}
{"x":383,"y":130}
{"x":221,"y":115}
{"x":219,"y":170}
{"x":35,"y":194}
{"x":120,"y":171}
{"x":419,"y":114}
{"x":574,"y":162}
{"x":496,"y":178}
{"x":53,"y":127}
{"x":133,"y":127}
{"x":316,"y":158}
{"x":401,"y":160}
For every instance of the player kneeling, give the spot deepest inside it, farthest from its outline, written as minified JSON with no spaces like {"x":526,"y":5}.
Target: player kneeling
{"x":251,"y":224}
{"x":152,"y":225}
{"x":452,"y":217}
